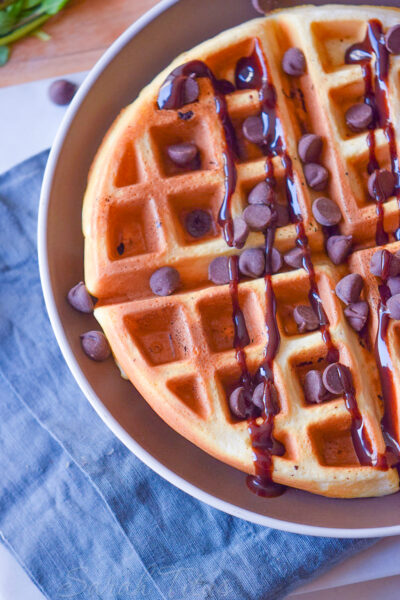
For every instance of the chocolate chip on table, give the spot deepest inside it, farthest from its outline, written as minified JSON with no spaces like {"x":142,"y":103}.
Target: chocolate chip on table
{"x":310,"y":147}
{"x":393,"y":306}
{"x":326,"y":212}
{"x":359,"y":116}
{"x":95,"y":345}
{"x":80,"y":299}
{"x":257,"y":216}
{"x":348,"y":289}
{"x":336,"y":378}
{"x":357,"y":314}
{"x":392,"y":39}
{"x":294,"y":258}
{"x":393,"y":284}
{"x":252,"y":262}
{"x":253,"y":130}
{"x":376,"y":264}
{"x":262,"y":193}
{"x":381,"y":184}
{"x":316,"y":176}
{"x":240,"y":232}
{"x":314,"y":390}
{"x":305,"y":318}
{"x":183,"y":154}
{"x":276,"y":260}
{"x":218,"y":270}
{"x":258,"y":397}
{"x":62,"y":91}
{"x":338,"y":248}
{"x":294,"y":62}
{"x":165,"y":281}
{"x":238,"y":403}
{"x":198,"y":223}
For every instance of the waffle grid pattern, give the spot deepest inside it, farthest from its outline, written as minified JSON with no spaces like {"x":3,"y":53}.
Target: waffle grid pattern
{"x":178,"y":350}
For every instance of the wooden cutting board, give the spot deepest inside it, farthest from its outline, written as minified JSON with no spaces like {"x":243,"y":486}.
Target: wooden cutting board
{"x":79,"y":35}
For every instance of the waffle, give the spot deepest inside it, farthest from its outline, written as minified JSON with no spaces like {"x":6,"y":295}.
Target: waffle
{"x":178,"y":350}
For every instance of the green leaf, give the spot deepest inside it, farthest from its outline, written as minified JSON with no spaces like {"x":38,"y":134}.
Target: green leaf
{"x":7,"y":21}
{"x":51,"y":7}
{"x":4,"y":55}
{"x":28,"y":4}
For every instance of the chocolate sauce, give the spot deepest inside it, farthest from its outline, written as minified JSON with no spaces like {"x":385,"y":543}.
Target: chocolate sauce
{"x":376,"y":95}
{"x":172,"y":96}
{"x":241,"y":336}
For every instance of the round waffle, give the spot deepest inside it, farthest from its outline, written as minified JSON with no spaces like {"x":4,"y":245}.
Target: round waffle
{"x":181,"y":351}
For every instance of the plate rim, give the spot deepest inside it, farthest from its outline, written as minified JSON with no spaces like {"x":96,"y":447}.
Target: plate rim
{"x":69,"y":356}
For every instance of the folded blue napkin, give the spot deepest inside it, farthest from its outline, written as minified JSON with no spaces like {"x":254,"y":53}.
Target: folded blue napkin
{"x":84,"y":517}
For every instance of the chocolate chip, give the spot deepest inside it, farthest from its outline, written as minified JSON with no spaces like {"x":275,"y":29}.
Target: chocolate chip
{"x":305,"y":318}
{"x":80,"y":299}
{"x":252,"y":262}
{"x":392,"y":39}
{"x":294,"y":62}
{"x":348,"y":289}
{"x":326,"y":212}
{"x":191,"y":92}
{"x":338,"y":248}
{"x":393,"y":306}
{"x":357,"y":314}
{"x":218,"y":270}
{"x":376,"y":264}
{"x":165,"y":281}
{"x":257,"y":216}
{"x":258,"y":397}
{"x":381,"y":184}
{"x":310,"y":147}
{"x":183,"y":154}
{"x":282,"y":215}
{"x":316,"y":176}
{"x":95,"y":345}
{"x":121,"y":248}
{"x":240,"y":232}
{"x":62,"y":91}
{"x":359,"y":116}
{"x":253,"y":130}
{"x":276,"y":260}
{"x":314,"y":389}
{"x":198,"y":223}
{"x":294,"y":258}
{"x":262,"y":193}
{"x":238,"y":402}
{"x":337,"y":378}
{"x":393,"y":284}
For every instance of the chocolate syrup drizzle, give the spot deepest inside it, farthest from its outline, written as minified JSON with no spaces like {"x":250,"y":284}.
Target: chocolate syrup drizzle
{"x":377,"y":97}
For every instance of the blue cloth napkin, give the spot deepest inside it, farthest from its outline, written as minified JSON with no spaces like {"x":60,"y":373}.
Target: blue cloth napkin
{"x":84,"y":517}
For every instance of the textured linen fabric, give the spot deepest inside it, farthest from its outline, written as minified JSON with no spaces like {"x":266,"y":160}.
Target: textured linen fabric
{"x":84,"y":517}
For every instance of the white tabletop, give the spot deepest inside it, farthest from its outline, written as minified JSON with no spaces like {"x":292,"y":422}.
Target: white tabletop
{"x":28,"y":121}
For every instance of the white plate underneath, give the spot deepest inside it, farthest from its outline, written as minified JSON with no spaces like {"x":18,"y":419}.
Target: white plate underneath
{"x":131,"y":62}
